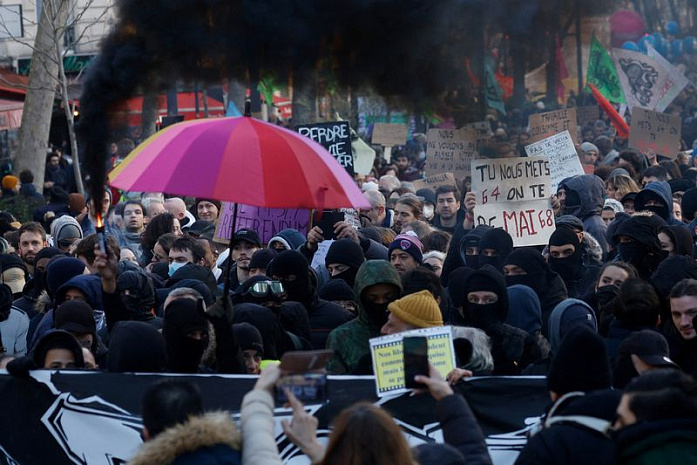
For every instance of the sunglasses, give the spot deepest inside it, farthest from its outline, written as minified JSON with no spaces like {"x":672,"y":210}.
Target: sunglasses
{"x":263,"y":288}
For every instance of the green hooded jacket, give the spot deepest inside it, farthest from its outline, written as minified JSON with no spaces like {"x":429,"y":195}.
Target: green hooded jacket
{"x":350,"y":340}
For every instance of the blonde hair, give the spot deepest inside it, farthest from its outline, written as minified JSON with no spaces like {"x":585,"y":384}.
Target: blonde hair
{"x":622,"y":184}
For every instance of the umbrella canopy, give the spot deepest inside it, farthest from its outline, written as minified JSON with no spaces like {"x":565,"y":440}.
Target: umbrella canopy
{"x":241,"y":160}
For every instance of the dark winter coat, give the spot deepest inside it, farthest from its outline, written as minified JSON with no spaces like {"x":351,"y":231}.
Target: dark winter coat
{"x":591,"y":191}
{"x":665,"y":442}
{"x":461,"y":430}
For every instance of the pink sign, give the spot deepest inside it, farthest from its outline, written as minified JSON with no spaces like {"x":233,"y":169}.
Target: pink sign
{"x":267,"y":222}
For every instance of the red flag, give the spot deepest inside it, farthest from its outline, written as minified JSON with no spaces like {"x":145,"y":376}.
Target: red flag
{"x":617,"y":120}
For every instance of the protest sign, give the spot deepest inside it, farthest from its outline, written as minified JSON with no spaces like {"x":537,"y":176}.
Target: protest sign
{"x":563,"y":158}
{"x":435,"y":181}
{"x":675,"y":82}
{"x":267,"y":222}
{"x":450,"y":151}
{"x":651,"y":130}
{"x":513,"y":194}
{"x":543,"y":125}
{"x":588,"y":114}
{"x":95,"y":417}
{"x":389,"y":134}
{"x":388,"y":357}
{"x":335,"y":137}
{"x":321,"y":254}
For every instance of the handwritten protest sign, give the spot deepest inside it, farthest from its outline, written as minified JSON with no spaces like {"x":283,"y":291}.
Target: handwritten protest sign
{"x":655,"y":131}
{"x":435,"y":181}
{"x":587,"y":114}
{"x":388,"y":357}
{"x":335,"y":137}
{"x":513,"y":194}
{"x":543,"y":125}
{"x":389,"y":134}
{"x":267,"y":222}
{"x":563,"y":158}
{"x":450,"y":151}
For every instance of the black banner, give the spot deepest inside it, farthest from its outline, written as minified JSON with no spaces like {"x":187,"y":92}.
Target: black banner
{"x":94,"y":418}
{"x":335,"y":137}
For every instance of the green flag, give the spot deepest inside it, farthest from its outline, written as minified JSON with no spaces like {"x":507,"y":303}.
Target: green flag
{"x":602,"y":73}
{"x":494,"y":95}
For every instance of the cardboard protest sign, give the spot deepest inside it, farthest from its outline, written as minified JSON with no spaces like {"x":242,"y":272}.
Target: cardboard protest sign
{"x":435,"y":181}
{"x":450,"y":151}
{"x":587,"y":114}
{"x":389,"y":134}
{"x":651,"y":130}
{"x":335,"y":137}
{"x":267,"y":222}
{"x":388,"y":357}
{"x":543,"y":125}
{"x":514,"y":194}
{"x":563,"y":158}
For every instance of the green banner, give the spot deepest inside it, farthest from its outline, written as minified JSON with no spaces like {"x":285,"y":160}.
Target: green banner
{"x":602,"y":73}
{"x":494,"y":95}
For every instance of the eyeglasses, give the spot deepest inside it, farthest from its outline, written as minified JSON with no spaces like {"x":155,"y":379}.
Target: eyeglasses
{"x":262,"y":289}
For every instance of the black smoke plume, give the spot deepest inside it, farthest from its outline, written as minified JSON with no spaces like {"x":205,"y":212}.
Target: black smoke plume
{"x":413,"y":49}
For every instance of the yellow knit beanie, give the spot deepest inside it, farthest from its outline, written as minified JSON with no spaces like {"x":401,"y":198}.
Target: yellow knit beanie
{"x":419,"y":309}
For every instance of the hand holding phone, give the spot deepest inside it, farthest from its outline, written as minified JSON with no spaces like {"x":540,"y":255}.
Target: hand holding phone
{"x":415,"y":350}
{"x":304,"y":376}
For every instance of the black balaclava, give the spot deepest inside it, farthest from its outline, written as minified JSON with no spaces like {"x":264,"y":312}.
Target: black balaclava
{"x":136,"y":346}
{"x":534,"y":264}
{"x":486,"y":316}
{"x":496,"y":239}
{"x":644,"y":250}
{"x":140,"y":299}
{"x":346,"y":252}
{"x":567,"y":267}
{"x":661,"y":210}
{"x":182,"y":316}
{"x":38,"y":283}
{"x":292,"y":263}
{"x":572,"y":204}
{"x":472,"y":239}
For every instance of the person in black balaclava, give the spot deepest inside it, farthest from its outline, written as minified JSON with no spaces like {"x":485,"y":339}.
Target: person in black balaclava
{"x":139,"y":298}
{"x":343,"y":259}
{"x":637,"y":243}
{"x":262,"y":290}
{"x":566,"y":258}
{"x":136,"y":346}
{"x":486,"y":307}
{"x":494,"y":247}
{"x":186,"y":333}
{"x":469,"y":247}
{"x":32,"y":290}
{"x":528,"y":267}
{"x":455,"y":258}
{"x":291,"y":268}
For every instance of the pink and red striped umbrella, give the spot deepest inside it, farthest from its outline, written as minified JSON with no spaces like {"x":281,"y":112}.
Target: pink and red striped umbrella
{"x":241,"y":160}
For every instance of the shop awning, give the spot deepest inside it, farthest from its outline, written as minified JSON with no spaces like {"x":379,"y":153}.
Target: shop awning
{"x":10,"y":114}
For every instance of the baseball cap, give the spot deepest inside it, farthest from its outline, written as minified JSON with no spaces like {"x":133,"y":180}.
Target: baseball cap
{"x":650,"y":346}
{"x":247,"y":235}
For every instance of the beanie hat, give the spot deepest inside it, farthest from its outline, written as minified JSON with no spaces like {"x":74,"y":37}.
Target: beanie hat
{"x":427,"y":194}
{"x":570,"y":220}
{"x":589,"y":147}
{"x":214,"y":202}
{"x":583,"y":370}
{"x":248,"y":337}
{"x":9,"y":182}
{"x":57,"y":339}
{"x":75,"y":316}
{"x":346,"y":252}
{"x":76,"y":202}
{"x":419,"y":309}
{"x":614,"y":205}
{"x":9,"y":262}
{"x":261,"y":258}
{"x":337,"y":289}
{"x":409,"y":244}
{"x":65,"y":227}
{"x":564,"y":235}
{"x":61,"y":271}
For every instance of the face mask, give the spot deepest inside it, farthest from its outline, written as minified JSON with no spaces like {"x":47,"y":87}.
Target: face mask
{"x":483,"y":315}
{"x":173,"y":267}
{"x":631,"y":252}
{"x":496,"y":261}
{"x":659,"y":210}
{"x":606,"y":295}
{"x":376,"y":313}
{"x":472,"y":261}
{"x":567,"y":267}
{"x":428,"y":211}
{"x":573,"y":210}
{"x":348,"y":275}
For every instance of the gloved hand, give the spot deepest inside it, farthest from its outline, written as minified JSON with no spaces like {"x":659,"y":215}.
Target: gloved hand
{"x":221,"y":308}
{"x":20,"y":367}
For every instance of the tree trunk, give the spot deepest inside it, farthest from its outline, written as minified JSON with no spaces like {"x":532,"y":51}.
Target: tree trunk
{"x":149,"y":113}
{"x":41,"y":92}
{"x":304,"y":97}
{"x":71,"y":121}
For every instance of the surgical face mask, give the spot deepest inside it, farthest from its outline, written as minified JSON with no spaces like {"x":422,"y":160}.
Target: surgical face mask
{"x":173,"y":267}
{"x":428,"y":211}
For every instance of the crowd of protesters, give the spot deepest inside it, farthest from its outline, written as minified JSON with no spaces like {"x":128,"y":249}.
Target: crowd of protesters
{"x":606,"y":310}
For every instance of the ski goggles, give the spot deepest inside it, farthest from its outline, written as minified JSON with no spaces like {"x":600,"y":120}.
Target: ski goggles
{"x":263,"y":288}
